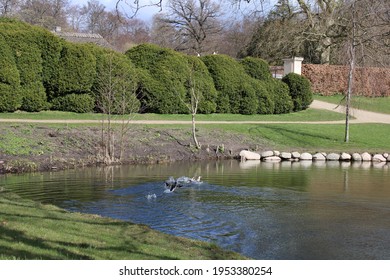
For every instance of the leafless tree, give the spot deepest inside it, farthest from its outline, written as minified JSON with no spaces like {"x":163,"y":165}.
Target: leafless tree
{"x":45,"y":13}
{"x":116,"y":99}
{"x":8,"y":7}
{"x":195,"y":96}
{"x":369,"y":31}
{"x":192,"y":24}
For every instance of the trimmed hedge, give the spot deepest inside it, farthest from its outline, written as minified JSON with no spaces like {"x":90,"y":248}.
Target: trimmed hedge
{"x":164,"y":76}
{"x":28,"y":60}
{"x":256,"y":68}
{"x":78,"y":103}
{"x":235,"y":94}
{"x":10,"y":99}
{"x":163,"y":81}
{"x":37,"y":67}
{"x":204,"y":85}
{"x":283,"y":103}
{"x":76,"y":70}
{"x":116,"y":83}
{"x":299,"y":90}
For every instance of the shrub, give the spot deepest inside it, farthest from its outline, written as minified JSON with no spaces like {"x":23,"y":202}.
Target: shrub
{"x":78,"y":103}
{"x":265,"y":103}
{"x":256,"y":68}
{"x":163,"y":79}
{"x":10,"y":99}
{"x":300,"y":91}
{"x":280,"y":94}
{"x":204,"y":85}
{"x":34,"y":98}
{"x":165,"y":76}
{"x":116,"y":83}
{"x":23,"y":39}
{"x":235,"y":93}
{"x":76,"y":70}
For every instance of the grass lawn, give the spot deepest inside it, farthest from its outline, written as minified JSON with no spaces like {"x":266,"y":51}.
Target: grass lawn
{"x":374,"y":104}
{"x":307,"y":115}
{"x":316,"y":137}
{"x":30,"y":230}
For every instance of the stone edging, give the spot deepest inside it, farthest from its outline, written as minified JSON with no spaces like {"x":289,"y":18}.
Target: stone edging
{"x":276,"y":156}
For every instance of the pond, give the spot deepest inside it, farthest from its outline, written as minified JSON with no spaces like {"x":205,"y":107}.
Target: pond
{"x":299,"y":210}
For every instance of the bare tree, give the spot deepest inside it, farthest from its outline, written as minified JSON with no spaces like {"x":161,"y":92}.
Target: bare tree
{"x":195,"y":97}
{"x":194,"y":23}
{"x":116,"y":98}
{"x":8,"y":7}
{"x":369,"y":30}
{"x":45,"y":13}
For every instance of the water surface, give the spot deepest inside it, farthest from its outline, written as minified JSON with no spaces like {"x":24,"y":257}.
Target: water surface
{"x":299,"y":210}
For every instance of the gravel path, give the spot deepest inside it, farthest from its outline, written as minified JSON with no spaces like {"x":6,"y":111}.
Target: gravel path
{"x":360,"y":116}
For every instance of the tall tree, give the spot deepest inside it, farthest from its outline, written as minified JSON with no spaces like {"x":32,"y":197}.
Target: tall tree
{"x":195,"y":22}
{"x":45,"y":13}
{"x":310,"y":28}
{"x":369,"y":31}
{"x":8,"y":7}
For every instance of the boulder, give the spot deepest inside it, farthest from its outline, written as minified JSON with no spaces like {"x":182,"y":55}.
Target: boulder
{"x":272,"y":159}
{"x":295,"y":155}
{"x":356,"y":157}
{"x":333,"y":156}
{"x":378,"y":158}
{"x":276,"y":153}
{"x":319,"y":157}
{"x":306,"y":156}
{"x":248,"y":155}
{"x":345,"y":157}
{"x":267,"y":154}
{"x":366,"y":157}
{"x":286,"y":156}
{"x":386,"y":155}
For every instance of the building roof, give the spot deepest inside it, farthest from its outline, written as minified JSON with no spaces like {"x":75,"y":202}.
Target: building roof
{"x":75,"y":37}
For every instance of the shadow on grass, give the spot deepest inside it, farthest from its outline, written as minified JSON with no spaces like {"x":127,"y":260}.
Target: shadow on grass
{"x":291,"y":135}
{"x":68,"y":236}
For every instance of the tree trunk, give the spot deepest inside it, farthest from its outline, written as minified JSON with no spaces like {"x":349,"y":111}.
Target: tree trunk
{"x":194,"y":132}
{"x":350,"y":74}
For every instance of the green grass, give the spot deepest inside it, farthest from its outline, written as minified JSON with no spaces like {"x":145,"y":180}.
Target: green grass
{"x":315,"y":137}
{"x":375,"y":104}
{"x":307,"y":115}
{"x":30,"y":230}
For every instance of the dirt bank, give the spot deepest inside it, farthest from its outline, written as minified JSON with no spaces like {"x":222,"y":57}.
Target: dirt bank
{"x":39,"y":147}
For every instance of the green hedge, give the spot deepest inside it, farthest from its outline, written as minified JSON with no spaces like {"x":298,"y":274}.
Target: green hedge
{"x":116,"y":83}
{"x":235,"y":94}
{"x":163,"y":79}
{"x":10,"y":99}
{"x":164,"y":76}
{"x":280,"y":94}
{"x":204,"y":85}
{"x":76,"y":70}
{"x":78,"y":103}
{"x":28,"y":58}
{"x":256,"y":68}
{"x":300,"y":91}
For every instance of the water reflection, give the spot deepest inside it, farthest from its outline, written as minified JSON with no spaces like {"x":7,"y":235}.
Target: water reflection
{"x":288,"y":210}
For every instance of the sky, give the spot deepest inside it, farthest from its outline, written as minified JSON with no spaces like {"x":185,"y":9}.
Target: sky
{"x":147,"y":13}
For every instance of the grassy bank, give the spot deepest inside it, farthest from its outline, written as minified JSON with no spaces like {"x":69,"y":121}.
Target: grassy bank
{"x":30,"y":230}
{"x":376,"y":104}
{"x":307,"y":115}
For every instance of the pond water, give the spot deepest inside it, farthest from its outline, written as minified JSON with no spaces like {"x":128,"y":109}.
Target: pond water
{"x":300,"y":210}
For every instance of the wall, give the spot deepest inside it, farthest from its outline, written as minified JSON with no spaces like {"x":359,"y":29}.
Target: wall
{"x":330,"y":79}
